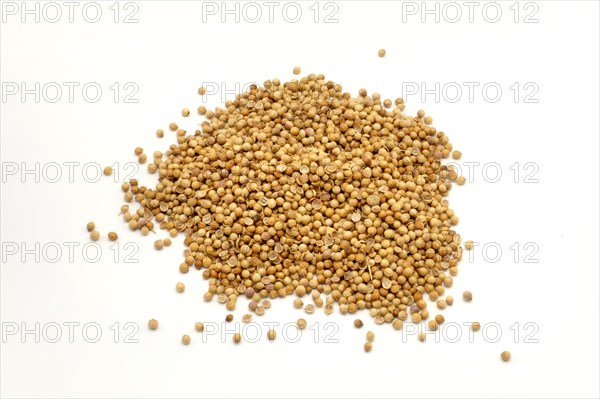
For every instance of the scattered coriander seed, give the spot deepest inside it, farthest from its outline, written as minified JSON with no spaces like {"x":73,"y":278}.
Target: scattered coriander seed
{"x":142,"y":158}
{"x":247,"y":318}
{"x":202,"y":90}
{"x":387,"y":103}
{"x":94,"y":235}
{"x":184,"y":268}
{"x":199,"y":326}
{"x":112,"y":236}
{"x":266,"y":303}
{"x":456,"y":154}
{"x":505,"y":356}
{"x":173,"y":126}
{"x":301,"y":324}
{"x":91,"y":226}
{"x":229,"y":318}
{"x":475,"y":326}
{"x":237,"y":338}
{"x":185,"y":112}
{"x":179,"y":287}
{"x":271,"y":334}
{"x":297,"y":70}
{"x":428,"y":120}
{"x":381,"y":53}
{"x":310,"y":308}
{"x":166,"y":242}
{"x":259,"y":310}
{"x":138,"y":151}
{"x":422,"y":336}
{"x":416,"y":318}
{"x":397,"y":324}
{"x":368,"y":346}
{"x":358,"y":323}
{"x":298,"y":304}
{"x":439,"y":319}
{"x":449,"y":300}
{"x":441,"y":304}
{"x":108,"y":171}
{"x":158,"y":244}
{"x":370,"y":336}
{"x":467,"y":296}
{"x":460,"y":181}
{"x":432,"y":325}
{"x":185,"y":340}
{"x":152,"y":324}
{"x":160,"y":133}
{"x":468,"y":245}
{"x":202,"y":110}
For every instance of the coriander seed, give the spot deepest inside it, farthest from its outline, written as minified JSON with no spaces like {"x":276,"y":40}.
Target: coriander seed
{"x":185,"y":112}
{"x":160,"y":133}
{"x":297,"y":70}
{"x":456,"y":154}
{"x":358,"y":323}
{"x":199,"y":326}
{"x":370,"y":336}
{"x":505,"y":356}
{"x":152,"y":324}
{"x":91,"y":226}
{"x":94,"y":235}
{"x":237,"y":338}
{"x":186,"y":340}
{"x":108,"y":171}
{"x":467,"y":296}
{"x":179,"y":287}
{"x":397,"y":324}
{"x":112,"y":236}
{"x":475,"y":326}
{"x":381,"y":53}
{"x":271,"y":335}
{"x":301,"y":324}
{"x":368,"y":346}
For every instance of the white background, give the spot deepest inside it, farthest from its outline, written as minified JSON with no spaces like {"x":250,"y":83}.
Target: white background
{"x":168,"y":54}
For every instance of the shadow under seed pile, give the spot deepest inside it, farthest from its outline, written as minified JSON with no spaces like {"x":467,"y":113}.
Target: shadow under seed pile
{"x":298,"y":186}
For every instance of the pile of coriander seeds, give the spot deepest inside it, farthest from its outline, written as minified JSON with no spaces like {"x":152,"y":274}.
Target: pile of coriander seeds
{"x":300,"y":188}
